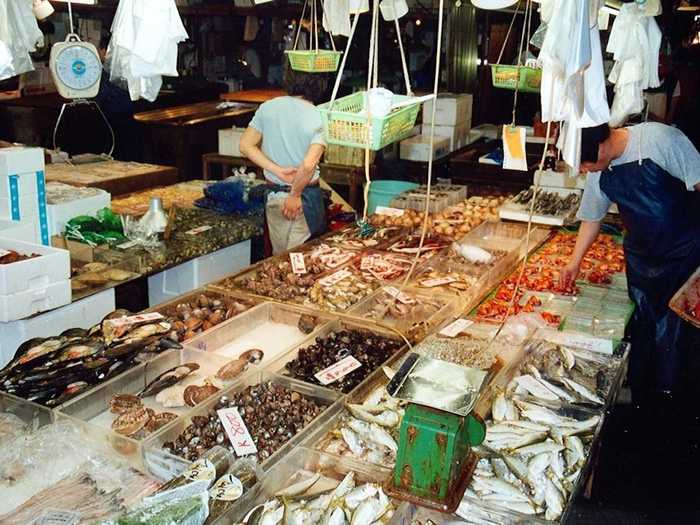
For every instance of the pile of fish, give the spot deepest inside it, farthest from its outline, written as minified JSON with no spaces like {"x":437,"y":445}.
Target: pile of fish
{"x":548,"y":202}
{"x":346,"y":504}
{"x":52,"y":370}
{"x":368,"y":431}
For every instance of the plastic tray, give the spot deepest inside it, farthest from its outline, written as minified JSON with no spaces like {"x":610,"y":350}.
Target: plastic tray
{"x":678,"y":302}
{"x":521,"y":212}
{"x":153,"y":445}
{"x":32,"y":414}
{"x":254,"y":329}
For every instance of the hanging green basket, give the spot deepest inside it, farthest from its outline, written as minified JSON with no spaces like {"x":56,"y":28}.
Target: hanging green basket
{"x":315,"y":61}
{"x":526,"y":79}
{"x":347,"y":124}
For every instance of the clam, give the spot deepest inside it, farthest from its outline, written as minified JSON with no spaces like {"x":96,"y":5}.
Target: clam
{"x":193,"y":323}
{"x":196,"y":394}
{"x":168,"y":378}
{"x":232,"y":369}
{"x":115,"y":274}
{"x":159,"y":420}
{"x":122,"y":403}
{"x":254,"y":355}
{"x":129,"y":423}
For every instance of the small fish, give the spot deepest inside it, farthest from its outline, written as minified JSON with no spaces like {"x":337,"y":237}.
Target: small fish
{"x":574,"y":451}
{"x":375,"y":397}
{"x":554,"y":500}
{"x":556,"y":464}
{"x":352,"y":441}
{"x":559,"y":392}
{"x":567,"y":357}
{"x":536,"y":388}
{"x":387,"y":418}
{"x":538,"y":464}
{"x":539,"y":448}
{"x":359,"y":494}
{"x":499,"y":407}
{"x":300,"y":487}
{"x":583,"y":391}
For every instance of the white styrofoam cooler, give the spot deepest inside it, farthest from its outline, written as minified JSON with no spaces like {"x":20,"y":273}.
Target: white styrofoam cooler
{"x":229,"y":141}
{"x":24,"y":304}
{"x":457,"y":134}
{"x":453,"y":109}
{"x":25,"y":231}
{"x":53,"y":266}
{"x":80,"y":314}
{"x":185,"y":277}
{"x":60,"y":214}
{"x":16,"y":160}
{"x":418,"y":148}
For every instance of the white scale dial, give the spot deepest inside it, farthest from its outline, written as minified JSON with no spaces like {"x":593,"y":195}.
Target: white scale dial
{"x":76,"y":68}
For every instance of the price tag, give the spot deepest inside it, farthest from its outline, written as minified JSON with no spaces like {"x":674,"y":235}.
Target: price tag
{"x":430,"y":283}
{"x":237,"y":432}
{"x":338,"y":370}
{"x":126,"y":245}
{"x":58,"y":517}
{"x":402,"y":297}
{"x":586,"y":342}
{"x":298,"y":264}
{"x":4,"y":252}
{"x":456,"y":327}
{"x":391,"y":212}
{"x":227,"y":488}
{"x":141,"y":318}
{"x":198,"y":230}
{"x":201,"y":470}
{"x":335,"y":278}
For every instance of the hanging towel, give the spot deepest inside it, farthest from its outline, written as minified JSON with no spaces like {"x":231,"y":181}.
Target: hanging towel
{"x":336,"y":17}
{"x":19,"y":36}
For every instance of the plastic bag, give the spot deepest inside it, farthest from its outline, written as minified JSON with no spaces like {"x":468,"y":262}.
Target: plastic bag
{"x":239,"y":194}
{"x":19,"y":36}
{"x":105,"y":228}
{"x":186,"y":510}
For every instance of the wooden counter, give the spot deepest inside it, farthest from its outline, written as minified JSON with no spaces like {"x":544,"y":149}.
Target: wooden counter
{"x":253,"y":96}
{"x":116,"y":177}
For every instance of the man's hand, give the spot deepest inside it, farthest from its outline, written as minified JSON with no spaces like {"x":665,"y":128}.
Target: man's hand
{"x":292,"y":207}
{"x":567,"y":275}
{"x":286,"y":174}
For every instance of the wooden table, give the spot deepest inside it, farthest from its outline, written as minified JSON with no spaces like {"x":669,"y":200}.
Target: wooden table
{"x":181,"y":135}
{"x":253,"y":96}
{"x":116,"y":177}
{"x":225,"y":161}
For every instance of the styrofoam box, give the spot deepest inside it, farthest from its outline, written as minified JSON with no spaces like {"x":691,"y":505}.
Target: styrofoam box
{"x":556,"y":179}
{"x":80,"y":314}
{"x":60,"y":214}
{"x":28,"y":208}
{"x":418,"y":148}
{"x":453,"y":109}
{"x":26,"y":185}
{"x":53,"y":266}
{"x":456,"y":134}
{"x":16,"y":160}
{"x":229,"y":141}
{"x":33,"y":301}
{"x":25,"y":231}
{"x":186,"y":277}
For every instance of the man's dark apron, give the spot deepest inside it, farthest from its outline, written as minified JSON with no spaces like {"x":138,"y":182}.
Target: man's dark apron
{"x":312,"y":204}
{"x":662,"y":249}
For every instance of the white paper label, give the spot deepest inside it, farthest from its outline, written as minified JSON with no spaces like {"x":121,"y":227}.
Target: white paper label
{"x":335,"y":278}
{"x":201,"y":470}
{"x":4,"y":252}
{"x":392,"y":212}
{"x":298,"y":264}
{"x":338,"y":370}
{"x":198,"y":230}
{"x":396,"y":294}
{"x":586,"y":342}
{"x":141,"y":318}
{"x":430,"y":283}
{"x":126,"y":245}
{"x":227,"y":488}
{"x":237,"y":432}
{"x":58,"y":517}
{"x":456,"y":327}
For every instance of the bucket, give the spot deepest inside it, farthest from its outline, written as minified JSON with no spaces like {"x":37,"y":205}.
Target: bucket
{"x":381,"y":192}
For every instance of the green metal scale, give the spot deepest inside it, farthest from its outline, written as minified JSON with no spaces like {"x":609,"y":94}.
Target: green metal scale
{"x":435,"y":462}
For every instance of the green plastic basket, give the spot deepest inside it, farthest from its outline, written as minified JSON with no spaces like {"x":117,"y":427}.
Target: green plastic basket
{"x":347,"y":124}
{"x":526,"y":79}
{"x":314,"y":61}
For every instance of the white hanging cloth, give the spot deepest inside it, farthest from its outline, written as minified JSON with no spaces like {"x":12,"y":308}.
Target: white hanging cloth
{"x":573,"y":80}
{"x":336,"y":17}
{"x":634,"y":42}
{"x":19,"y":36}
{"x":143,"y":48}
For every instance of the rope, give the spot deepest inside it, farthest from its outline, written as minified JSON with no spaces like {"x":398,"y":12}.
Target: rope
{"x":336,"y":86}
{"x":521,"y":50}
{"x":505,"y":40}
{"x":409,"y":91}
{"x":303,"y":12}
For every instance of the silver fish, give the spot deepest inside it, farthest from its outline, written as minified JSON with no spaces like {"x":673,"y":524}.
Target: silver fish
{"x":583,"y":391}
{"x":300,"y":487}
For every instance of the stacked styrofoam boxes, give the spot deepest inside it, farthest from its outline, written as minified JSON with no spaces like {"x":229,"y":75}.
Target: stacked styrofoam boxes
{"x":65,"y":202}
{"x":23,"y":191}
{"x":453,"y":118}
{"x":33,"y":285}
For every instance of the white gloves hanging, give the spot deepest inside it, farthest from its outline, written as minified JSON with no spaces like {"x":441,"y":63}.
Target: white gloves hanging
{"x":635,"y":39}
{"x":145,"y":34}
{"x":573,"y":80}
{"x":19,"y":36}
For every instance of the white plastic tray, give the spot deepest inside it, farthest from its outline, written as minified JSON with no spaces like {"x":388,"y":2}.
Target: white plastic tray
{"x":33,"y":274}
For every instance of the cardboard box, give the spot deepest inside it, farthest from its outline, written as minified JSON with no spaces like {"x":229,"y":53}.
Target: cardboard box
{"x":229,"y":141}
{"x":453,"y":109}
{"x":418,"y":148}
{"x":457,"y":134}
{"x":16,"y":160}
{"x":52,"y":266}
{"x":78,"y":250}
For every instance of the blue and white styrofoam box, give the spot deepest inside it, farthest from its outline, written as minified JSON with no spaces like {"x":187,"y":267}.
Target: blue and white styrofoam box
{"x":18,"y":160}
{"x":84,"y":313}
{"x":52,"y":266}
{"x":185,"y":277}
{"x":26,"y":231}
{"x":27,"y":207}
{"x":22,"y":184}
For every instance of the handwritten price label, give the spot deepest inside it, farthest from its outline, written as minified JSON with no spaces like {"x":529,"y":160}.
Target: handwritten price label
{"x":431,"y":283}
{"x":391,"y":212}
{"x":338,"y":370}
{"x":198,"y":230}
{"x":594,"y":344}
{"x":298,"y":264}
{"x":141,"y":318}
{"x":368,"y":262}
{"x":237,"y":432}
{"x":400,"y":296}
{"x":227,"y":488}
{"x":456,"y":327}
{"x":335,"y":278}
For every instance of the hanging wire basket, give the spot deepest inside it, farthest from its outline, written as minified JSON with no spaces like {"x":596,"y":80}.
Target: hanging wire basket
{"x":346,"y":123}
{"x":522,"y":78}
{"x":314,"y":61}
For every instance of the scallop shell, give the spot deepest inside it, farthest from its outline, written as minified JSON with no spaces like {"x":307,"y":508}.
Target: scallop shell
{"x":129,"y":423}
{"x":122,"y":403}
{"x":196,"y":394}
